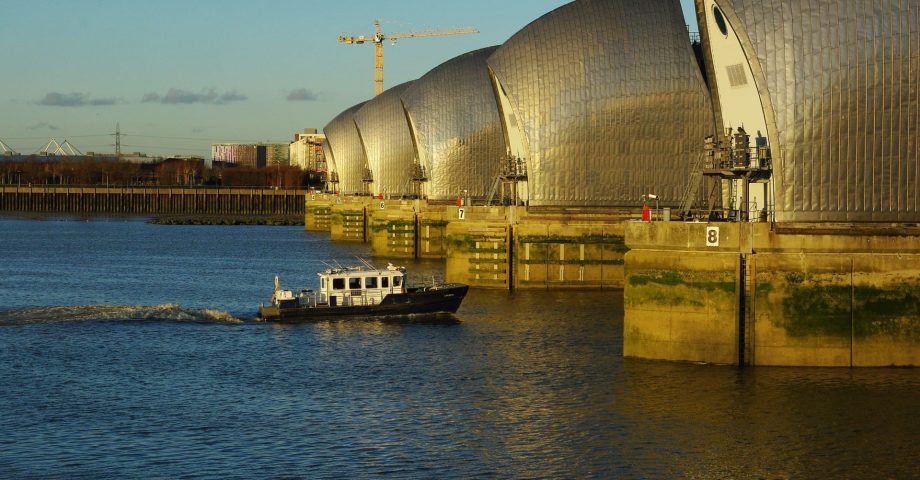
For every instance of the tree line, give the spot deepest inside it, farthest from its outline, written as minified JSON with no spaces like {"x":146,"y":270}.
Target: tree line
{"x":169,"y":172}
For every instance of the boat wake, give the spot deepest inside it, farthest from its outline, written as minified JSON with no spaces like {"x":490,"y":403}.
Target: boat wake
{"x":81,"y":313}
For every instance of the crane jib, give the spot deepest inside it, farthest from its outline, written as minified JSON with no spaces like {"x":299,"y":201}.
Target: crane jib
{"x":379,"y":37}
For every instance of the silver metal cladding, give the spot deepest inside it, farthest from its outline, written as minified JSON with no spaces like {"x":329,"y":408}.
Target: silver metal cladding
{"x":608,"y":100}
{"x":345,"y":145}
{"x":456,"y":126}
{"x":387,"y":142}
{"x":839,"y":84}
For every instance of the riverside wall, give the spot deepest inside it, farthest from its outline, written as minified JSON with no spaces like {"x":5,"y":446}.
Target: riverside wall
{"x":793,"y":295}
{"x":153,"y":200}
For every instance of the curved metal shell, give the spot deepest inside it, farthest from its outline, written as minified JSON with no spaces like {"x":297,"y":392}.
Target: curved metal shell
{"x":610,"y":101}
{"x":456,"y":126}
{"x":345,"y":145}
{"x":839,"y":85}
{"x":387,"y":142}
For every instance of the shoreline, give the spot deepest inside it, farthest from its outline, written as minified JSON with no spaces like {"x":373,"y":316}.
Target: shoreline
{"x":267,"y":220}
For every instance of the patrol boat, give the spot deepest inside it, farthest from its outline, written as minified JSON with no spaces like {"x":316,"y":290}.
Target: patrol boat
{"x":362,"y":292}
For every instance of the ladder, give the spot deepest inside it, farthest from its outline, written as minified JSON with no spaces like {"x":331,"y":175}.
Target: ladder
{"x":746,"y":320}
{"x":693,"y":187}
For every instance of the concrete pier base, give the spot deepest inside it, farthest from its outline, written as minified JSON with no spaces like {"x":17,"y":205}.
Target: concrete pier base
{"x":536,"y":250}
{"x":569,"y":250}
{"x":479,"y":247}
{"x":797,"y":295}
{"x":432,"y":230}
{"x":409,"y":229}
{"x":392,"y":227}
{"x":348,"y":219}
{"x":318,"y":212}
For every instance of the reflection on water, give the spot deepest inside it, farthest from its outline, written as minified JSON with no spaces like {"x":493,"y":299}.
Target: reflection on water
{"x":527,"y":385}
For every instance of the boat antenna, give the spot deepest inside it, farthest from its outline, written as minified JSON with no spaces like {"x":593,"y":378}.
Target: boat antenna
{"x":365,"y":262}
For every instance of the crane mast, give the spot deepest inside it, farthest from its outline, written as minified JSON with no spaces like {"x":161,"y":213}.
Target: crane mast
{"x":379,"y":37}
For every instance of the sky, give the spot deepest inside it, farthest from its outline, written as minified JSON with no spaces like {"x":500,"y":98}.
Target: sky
{"x":178,"y":75}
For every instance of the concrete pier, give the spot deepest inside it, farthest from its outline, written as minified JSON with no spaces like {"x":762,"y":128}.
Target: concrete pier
{"x":408,"y":229}
{"x":348,"y":219}
{"x":432,"y":230}
{"x":318,"y":211}
{"x":479,"y":246}
{"x":549,"y":249}
{"x":392,"y":228}
{"x":569,"y":250}
{"x":797,"y":295}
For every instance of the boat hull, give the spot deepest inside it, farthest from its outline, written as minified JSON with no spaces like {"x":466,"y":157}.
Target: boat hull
{"x":420,"y":301}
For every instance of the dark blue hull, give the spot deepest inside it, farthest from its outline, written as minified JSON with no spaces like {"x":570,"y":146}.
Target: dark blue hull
{"x":416,"y":301}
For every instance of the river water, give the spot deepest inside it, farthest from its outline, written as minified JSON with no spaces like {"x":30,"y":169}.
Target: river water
{"x":130,"y":350}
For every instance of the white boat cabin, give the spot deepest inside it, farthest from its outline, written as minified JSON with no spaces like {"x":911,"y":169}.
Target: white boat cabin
{"x":359,"y":286}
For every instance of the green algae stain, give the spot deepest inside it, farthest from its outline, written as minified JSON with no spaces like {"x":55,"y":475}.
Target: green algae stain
{"x":614,"y":243}
{"x":673,"y":279}
{"x":434,"y":223}
{"x":816,"y":309}
{"x":613,"y":261}
{"x":399,"y":226}
{"x":763,"y":290}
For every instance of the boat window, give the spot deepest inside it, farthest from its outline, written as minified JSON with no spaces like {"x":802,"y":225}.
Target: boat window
{"x":397,"y":281}
{"x":354,"y":283}
{"x":338,"y":284}
{"x":370,"y":282}
{"x":385,"y":282}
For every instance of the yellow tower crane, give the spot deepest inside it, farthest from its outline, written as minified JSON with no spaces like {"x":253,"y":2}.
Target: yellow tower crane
{"x":379,"y":37}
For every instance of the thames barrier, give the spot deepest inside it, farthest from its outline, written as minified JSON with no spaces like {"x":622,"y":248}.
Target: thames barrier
{"x":752,"y":188}
{"x":749,"y":190}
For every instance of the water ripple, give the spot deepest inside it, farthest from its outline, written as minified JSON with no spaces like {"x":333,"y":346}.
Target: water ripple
{"x":82,"y":313}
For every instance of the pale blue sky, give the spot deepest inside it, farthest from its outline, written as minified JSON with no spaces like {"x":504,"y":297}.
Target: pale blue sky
{"x":181,"y":74}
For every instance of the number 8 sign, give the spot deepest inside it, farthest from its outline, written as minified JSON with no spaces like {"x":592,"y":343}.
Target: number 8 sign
{"x":712,"y":236}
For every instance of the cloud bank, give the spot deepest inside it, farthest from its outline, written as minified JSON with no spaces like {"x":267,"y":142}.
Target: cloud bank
{"x":55,"y":99}
{"x":42,"y":126}
{"x":302,"y":95}
{"x":176,"y":96}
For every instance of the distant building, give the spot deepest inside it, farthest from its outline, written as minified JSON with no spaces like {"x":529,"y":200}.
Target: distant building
{"x":135,"y":157}
{"x":277,"y":154}
{"x":306,"y":151}
{"x":250,"y":154}
{"x":234,"y":153}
